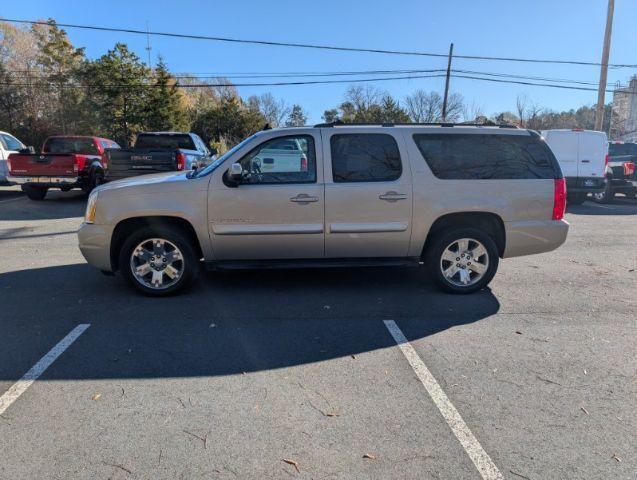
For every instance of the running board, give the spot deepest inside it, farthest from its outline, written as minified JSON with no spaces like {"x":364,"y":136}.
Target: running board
{"x":313,"y":263}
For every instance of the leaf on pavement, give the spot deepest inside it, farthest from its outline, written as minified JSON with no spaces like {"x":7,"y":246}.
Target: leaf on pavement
{"x":96,"y":396}
{"x":370,"y":456}
{"x":293,"y":463}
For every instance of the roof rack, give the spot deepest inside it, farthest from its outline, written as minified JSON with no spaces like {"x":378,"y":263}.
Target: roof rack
{"x":340,"y":123}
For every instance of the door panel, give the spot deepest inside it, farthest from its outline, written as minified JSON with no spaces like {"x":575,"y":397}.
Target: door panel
{"x":269,"y":220}
{"x":565,"y":146}
{"x":593,"y":147}
{"x":365,"y":218}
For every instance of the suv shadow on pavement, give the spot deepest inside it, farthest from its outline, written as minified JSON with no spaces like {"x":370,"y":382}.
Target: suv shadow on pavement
{"x":230,"y":323}
{"x":620,"y":206}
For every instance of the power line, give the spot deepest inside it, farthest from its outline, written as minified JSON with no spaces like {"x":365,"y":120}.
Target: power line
{"x":220,"y":85}
{"x":314,"y":46}
{"x":336,"y":74}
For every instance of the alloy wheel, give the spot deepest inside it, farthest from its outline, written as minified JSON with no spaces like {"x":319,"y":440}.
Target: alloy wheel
{"x":464,"y":262}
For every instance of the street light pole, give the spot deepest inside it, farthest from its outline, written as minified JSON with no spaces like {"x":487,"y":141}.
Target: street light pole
{"x":603,"y":76}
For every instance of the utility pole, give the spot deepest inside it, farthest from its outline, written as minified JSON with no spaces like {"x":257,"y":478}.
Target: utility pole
{"x":444,"y":101}
{"x":603,"y":76}
{"x":148,"y":49}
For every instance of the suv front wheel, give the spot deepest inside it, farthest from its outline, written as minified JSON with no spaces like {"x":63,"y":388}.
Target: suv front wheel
{"x":158,"y":261}
{"x":462,"y":260}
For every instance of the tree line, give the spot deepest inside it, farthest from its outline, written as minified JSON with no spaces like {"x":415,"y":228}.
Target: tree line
{"x":48,"y":86}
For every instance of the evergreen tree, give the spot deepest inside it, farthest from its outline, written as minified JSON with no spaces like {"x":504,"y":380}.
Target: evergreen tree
{"x":61,"y":64}
{"x":164,"y":107}
{"x":119,"y":87}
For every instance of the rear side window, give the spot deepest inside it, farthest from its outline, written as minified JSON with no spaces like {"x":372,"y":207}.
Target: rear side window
{"x":71,"y":145}
{"x":168,"y":142}
{"x":486,"y":157}
{"x":365,"y":157}
{"x":11,"y":143}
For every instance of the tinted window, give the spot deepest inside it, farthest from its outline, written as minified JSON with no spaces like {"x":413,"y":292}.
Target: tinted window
{"x":474,"y":156}
{"x":268,"y":163}
{"x":365,"y":157}
{"x":11,"y":143}
{"x":71,"y":145}
{"x":622,"y":149}
{"x":165,"y":142}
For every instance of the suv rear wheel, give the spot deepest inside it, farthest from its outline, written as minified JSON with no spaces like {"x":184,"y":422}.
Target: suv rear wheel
{"x":158,"y":261}
{"x":462,"y":260}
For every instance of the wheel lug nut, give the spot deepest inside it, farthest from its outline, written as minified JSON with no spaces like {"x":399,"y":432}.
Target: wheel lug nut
{"x":458,"y":259}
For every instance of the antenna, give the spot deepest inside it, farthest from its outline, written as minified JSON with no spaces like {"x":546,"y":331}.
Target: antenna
{"x":148,"y":47}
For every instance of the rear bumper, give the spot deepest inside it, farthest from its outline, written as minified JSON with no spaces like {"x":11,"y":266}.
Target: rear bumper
{"x":95,"y":245}
{"x":623,"y":183}
{"x":47,"y":181}
{"x":585,"y":184}
{"x":534,"y":236}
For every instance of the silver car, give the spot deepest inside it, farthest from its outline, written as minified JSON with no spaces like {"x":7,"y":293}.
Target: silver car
{"x":455,"y":198}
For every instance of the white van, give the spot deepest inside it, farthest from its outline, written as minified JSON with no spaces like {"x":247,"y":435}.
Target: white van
{"x":582,"y":155}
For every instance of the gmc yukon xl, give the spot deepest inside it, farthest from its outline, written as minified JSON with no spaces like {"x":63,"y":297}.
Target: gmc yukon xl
{"x":455,"y":198}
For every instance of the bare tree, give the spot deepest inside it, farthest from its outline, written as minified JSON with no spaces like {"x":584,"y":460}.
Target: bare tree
{"x":363,"y":97}
{"x":473,"y":113}
{"x":275,"y":111}
{"x":424,"y":107}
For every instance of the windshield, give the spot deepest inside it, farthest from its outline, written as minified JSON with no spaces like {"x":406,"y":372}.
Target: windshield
{"x":214,"y":165}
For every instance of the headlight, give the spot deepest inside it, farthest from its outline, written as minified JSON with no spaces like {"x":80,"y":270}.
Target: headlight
{"x":91,"y":206}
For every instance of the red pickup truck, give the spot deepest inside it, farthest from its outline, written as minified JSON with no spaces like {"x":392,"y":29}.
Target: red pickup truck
{"x":65,"y":162}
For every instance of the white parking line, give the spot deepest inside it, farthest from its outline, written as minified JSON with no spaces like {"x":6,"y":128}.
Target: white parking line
{"x":19,"y":387}
{"x":478,"y":456}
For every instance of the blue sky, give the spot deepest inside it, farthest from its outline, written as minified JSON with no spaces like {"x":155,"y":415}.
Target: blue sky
{"x":557,"y":29}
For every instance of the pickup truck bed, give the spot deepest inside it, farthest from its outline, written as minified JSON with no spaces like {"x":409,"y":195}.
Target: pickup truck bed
{"x":65,"y":162}
{"x":156,"y":152}
{"x":123,"y":163}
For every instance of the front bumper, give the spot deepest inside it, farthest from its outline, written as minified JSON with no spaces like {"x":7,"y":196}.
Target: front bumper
{"x":95,"y":245}
{"x":46,"y":181}
{"x":529,"y":237}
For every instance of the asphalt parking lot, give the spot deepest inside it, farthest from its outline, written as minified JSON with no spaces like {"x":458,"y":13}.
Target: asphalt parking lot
{"x":297,"y":374}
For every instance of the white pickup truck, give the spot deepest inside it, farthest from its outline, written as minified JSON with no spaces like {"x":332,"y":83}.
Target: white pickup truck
{"x":8,"y":145}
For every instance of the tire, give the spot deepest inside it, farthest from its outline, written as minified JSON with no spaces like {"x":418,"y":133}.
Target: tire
{"x":605,"y":196}
{"x":35,"y":193}
{"x":185,"y":263}
{"x":443,"y":244}
{"x":632,"y":194}
{"x":576,"y":198}
{"x":97,"y":178}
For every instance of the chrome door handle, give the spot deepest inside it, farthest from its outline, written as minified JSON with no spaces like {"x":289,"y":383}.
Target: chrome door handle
{"x":303,"y":198}
{"x":586,"y":161}
{"x":392,"y":196}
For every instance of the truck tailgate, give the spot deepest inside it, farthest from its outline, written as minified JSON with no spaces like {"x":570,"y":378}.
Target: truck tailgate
{"x":47,"y":164}
{"x":131,"y":162}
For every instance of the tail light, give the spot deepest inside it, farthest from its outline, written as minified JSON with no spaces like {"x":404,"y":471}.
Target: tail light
{"x":181,"y":160}
{"x":303,"y":163}
{"x":559,"y":198}
{"x":629,"y":169}
{"x":80,"y":163}
{"x":9,"y":163}
{"x":606,"y":160}
{"x":105,"y":160}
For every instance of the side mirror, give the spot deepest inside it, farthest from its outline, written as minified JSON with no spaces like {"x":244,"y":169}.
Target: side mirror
{"x":236,"y":172}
